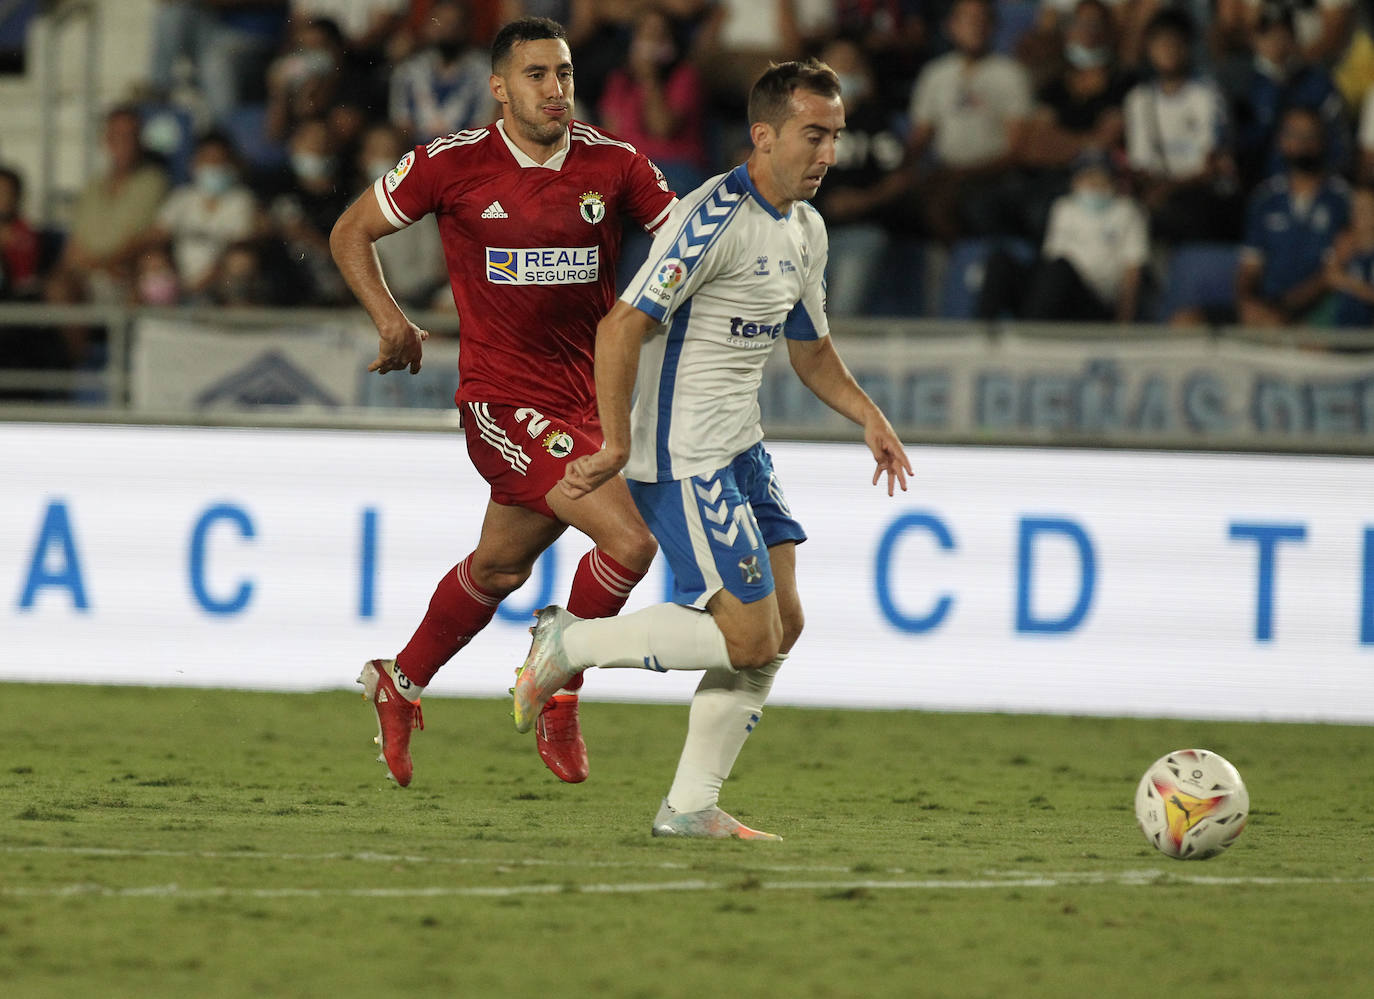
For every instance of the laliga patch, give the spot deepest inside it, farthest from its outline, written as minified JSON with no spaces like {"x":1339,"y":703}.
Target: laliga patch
{"x":749,"y":569}
{"x":592,"y":207}
{"x":399,"y":171}
{"x":669,"y":275}
{"x":558,"y":444}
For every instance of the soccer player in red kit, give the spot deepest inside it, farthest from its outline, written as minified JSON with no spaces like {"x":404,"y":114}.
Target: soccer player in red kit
{"x":529,"y":213}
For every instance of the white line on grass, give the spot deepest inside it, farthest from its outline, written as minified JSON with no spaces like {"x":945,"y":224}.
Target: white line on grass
{"x":397,"y":858}
{"x":1139,"y":878}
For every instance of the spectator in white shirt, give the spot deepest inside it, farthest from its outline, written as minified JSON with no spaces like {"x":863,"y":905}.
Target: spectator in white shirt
{"x":367,"y":25}
{"x":740,"y":38}
{"x":968,"y":110}
{"x":1177,"y":140}
{"x":1090,"y":265}
{"x":200,"y":220}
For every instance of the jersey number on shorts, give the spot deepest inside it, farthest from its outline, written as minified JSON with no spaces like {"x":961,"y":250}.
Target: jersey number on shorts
{"x":538,"y":421}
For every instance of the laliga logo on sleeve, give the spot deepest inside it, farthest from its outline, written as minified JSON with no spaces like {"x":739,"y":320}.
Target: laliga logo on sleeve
{"x":398,"y":173}
{"x":592,"y":207}
{"x":670,"y":275}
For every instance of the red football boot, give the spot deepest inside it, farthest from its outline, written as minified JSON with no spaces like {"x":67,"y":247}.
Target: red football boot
{"x":396,"y":717}
{"x":559,"y":738}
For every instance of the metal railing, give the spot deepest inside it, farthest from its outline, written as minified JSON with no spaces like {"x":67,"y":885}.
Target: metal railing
{"x":110,"y":382}
{"x":103,"y":393}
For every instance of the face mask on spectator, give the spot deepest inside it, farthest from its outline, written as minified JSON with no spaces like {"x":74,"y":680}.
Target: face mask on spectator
{"x":1083,"y":57}
{"x":213,"y":180}
{"x":1094,"y":199}
{"x":308,"y":64}
{"x":311,"y":166}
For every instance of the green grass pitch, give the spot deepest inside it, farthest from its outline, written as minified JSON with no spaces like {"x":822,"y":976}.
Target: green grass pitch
{"x":208,"y":843}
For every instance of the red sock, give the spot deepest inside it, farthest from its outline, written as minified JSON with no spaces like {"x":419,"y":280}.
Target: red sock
{"x":457,"y":611}
{"x":599,"y":589}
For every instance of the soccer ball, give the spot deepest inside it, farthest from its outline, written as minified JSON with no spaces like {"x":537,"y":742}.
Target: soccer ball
{"x":1191,"y":804}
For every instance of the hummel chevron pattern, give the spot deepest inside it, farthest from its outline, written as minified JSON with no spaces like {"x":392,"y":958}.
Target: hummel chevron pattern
{"x":717,"y":514}
{"x":709,"y":217}
{"x":712,"y":494}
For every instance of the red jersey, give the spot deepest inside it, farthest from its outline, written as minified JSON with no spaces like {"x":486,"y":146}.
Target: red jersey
{"x":531,"y":252}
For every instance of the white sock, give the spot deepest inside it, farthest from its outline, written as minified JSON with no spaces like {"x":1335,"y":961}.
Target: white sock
{"x":725,"y":709}
{"x":660,"y":638}
{"x":406,"y":687}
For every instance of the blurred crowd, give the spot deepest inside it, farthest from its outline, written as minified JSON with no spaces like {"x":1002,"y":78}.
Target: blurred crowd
{"x":1109,"y":160}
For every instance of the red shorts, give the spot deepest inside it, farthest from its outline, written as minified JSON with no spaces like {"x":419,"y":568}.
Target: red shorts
{"x":523,"y":453}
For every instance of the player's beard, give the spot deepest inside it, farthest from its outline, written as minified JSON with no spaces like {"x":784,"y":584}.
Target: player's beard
{"x":530,"y":120}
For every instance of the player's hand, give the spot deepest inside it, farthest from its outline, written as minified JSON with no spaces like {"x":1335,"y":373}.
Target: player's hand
{"x":590,"y":471}
{"x":399,"y":348}
{"x":888,"y":452}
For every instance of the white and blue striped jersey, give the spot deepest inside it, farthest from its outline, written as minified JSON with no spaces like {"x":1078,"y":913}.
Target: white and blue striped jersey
{"x":725,"y":277}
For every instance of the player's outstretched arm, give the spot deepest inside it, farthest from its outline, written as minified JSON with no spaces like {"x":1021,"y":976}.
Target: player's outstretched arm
{"x":824,"y":372}
{"x":619,"y":337}
{"x":399,"y":340}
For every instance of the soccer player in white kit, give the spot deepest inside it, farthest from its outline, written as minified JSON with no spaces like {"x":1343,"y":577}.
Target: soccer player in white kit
{"x":739,"y":264}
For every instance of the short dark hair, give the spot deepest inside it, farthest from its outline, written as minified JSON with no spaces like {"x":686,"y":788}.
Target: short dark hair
{"x":770,"y":99}
{"x":1273,"y":15}
{"x":125,"y":110}
{"x":1172,"y":20}
{"x":215,"y":137}
{"x":524,"y":29}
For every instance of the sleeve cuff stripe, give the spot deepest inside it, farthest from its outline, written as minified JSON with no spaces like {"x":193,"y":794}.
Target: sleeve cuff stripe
{"x":662,"y":216}
{"x":393,"y":214}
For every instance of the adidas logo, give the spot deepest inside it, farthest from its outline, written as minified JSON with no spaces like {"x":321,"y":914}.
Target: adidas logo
{"x":494,"y":211}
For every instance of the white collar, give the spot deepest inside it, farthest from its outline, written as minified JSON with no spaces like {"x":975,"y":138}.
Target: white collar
{"x":554,"y":162}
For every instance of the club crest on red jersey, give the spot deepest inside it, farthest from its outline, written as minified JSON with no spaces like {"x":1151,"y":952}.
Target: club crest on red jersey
{"x":592,"y":207}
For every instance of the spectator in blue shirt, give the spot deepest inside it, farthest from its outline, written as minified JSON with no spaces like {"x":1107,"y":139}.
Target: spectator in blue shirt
{"x":443,"y":88}
{"x":1292,"y":222}
{"x":1276,"y":79}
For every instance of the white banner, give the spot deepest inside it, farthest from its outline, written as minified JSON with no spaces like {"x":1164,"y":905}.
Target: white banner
{"x":191,"y":367}
{"x":1140,"y":583}
{"x":1167,"y":386}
